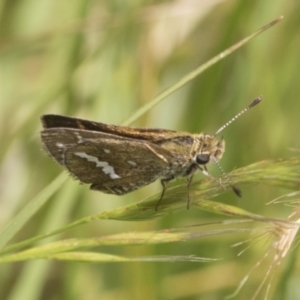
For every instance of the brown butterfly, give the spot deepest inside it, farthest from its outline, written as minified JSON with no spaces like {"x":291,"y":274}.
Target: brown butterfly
{"x":118,"y":159}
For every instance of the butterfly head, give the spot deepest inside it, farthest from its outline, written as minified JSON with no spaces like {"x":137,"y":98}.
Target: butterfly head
{"x":209,"y":148}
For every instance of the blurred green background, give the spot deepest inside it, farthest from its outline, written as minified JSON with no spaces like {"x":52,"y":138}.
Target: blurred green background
{"x":102,"y":60}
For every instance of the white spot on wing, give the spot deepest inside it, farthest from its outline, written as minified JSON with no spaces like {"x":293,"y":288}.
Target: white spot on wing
{"x":106,"y":150}
{"x":132,"y":163}
{"x":79,"y":137}
{"x":59,"y":145}
{"x":61,"y":150}
{"x":106,"y":168}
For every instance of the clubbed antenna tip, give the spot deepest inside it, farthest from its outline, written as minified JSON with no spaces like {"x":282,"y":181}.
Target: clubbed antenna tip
{"x":253,"y":103}
{"x":237,"y":191}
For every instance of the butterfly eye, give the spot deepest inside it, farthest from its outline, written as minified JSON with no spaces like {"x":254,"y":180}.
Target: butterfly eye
{"x":202,"y":159}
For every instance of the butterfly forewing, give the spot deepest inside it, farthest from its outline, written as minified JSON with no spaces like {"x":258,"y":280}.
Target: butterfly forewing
{"x":151,"y":134}
{"x":112,"y":164}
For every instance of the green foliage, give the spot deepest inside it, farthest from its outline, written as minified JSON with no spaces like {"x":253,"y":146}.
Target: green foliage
{"x":139,"y":61}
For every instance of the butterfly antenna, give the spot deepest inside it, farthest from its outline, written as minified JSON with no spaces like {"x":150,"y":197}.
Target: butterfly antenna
{"x":253,"y":103}
{"x":236,"y":190}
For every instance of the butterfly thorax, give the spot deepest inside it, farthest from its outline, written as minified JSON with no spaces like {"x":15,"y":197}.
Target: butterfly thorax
{"x":190,"y":152}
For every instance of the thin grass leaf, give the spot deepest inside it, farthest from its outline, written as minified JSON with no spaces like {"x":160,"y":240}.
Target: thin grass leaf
{"x":61,"y":249}
{"x":192,"y":75}
{"x":30,"y":209}
{"x":130,"y":238}
{"x":93,"y":257}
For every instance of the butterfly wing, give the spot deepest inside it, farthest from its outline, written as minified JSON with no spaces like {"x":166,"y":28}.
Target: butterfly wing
{"x":151,"y":134}
{"x":110,"y":163}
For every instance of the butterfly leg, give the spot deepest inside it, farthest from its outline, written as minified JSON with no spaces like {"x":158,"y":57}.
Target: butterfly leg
{"x":189,"y":181}
{"x":164,"y":183}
